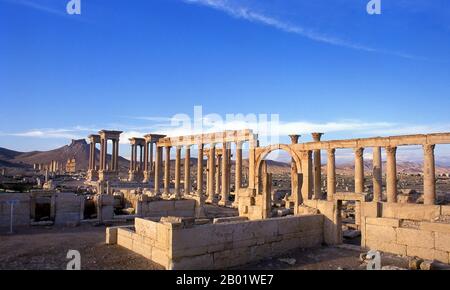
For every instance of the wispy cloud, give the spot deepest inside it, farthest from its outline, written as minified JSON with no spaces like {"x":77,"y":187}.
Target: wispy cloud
{"x":257,"y":17}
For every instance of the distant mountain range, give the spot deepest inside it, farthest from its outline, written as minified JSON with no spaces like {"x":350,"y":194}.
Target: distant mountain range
{"x":79,"y":149}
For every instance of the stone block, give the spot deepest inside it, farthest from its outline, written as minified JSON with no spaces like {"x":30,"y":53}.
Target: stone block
{"x":111,"y":235}
{"x":389,"y":222}
{"x":445,"y":210}
{"x":435,"y":227}
{"x":161,"y":256}
{"x":417,"y":212}
{"x":427,"y":253}
{"x":393,"y":248}
{"x":415,"y":238}
{"x":385,"y":234}
{"x":442,"y":241}
{"x":370,"y":209}
{"x":229,"y":219}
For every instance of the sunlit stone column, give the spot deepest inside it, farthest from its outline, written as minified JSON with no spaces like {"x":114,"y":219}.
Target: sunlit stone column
{"x":238,"y":167}
{"x":200,"y":170}
{"x":92,"y":156}
{"x":307,"y":171}
{"x":224,"y":193}
{"x":429,"y":175}
{"x":294,"y":174}
{"x":377,"y":177}
{"x":359,"y":170}
{"x":177,"y":171}
{"x":187,"y":170}
{"x":211,"y":171}
{"x":158,"y":162}
{"x":132,"y":158}
{"x":331,"y":174}
{"x":218,"y":176}
{"x":317,"y":167}
{"x":167,"y":171}
{"x":391,"y":174}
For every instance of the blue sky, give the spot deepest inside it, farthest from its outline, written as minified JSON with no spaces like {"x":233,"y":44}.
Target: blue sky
{"x":132,"y":65}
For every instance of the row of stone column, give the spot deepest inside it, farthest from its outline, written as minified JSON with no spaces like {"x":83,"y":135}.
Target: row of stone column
{"x":391,"y":174}
{"x":221,"y":177}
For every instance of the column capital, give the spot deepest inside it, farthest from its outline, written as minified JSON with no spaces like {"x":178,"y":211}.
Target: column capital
{"x":391,"y":149}
{"x":317,"y":136}
{"x":359,"y":152}
{"x":294,"y":138}
{"x":429,"y":148}
{"x":331,"y":151}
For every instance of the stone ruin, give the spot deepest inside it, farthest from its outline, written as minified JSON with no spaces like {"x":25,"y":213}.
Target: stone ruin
{"x":170,"y":208}
{"x":402,"y":228}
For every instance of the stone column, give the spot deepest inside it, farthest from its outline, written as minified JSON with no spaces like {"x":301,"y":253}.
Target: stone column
{"x":91,"y":146}
{"x":359,"y":170}
{"x":377,"y":176}
{"x":211,"y":172}
{"x":117,"y":156}
{"x":218,"y":176}
{"x":331,"y":174}
{"x":429,"y":175}
{"x":145,"y":169}
{"x":238,"y":167}
{"x":102,"y":154}
{"x":224,"y":193}
{"x":132,"y":159}
{"x":307,"y":173}
{"x":158,"y":170}
{"x":141,"y":159}
{"x":177,"y":171}
{"x":187,"y":170}
{"x":294,"y":174}
{"x":167,"y":172}
{"x":391,"y":174}
{"x":151,"y":158}
{"x":317,"y":167}
{"x":200,"y":170}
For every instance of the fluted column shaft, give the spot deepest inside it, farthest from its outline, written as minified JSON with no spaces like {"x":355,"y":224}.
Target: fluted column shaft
{"x":429,"y":175}
{"x":200,"y":170}
{"x":359,"y":170}
{"x":187,"y":170}
{"x":238,"y":166}
{"x":218,"y":176}
{"x":177,"y":171}
{"x":158,"y":161}
{"x":331,"y":174}
{"x":317,"y":167}
{"x":391,"y":174}
{"x":377,"y":177}
{"x":224,"y":191}
{"x":211,"y":171}
{"x":167,"y":171}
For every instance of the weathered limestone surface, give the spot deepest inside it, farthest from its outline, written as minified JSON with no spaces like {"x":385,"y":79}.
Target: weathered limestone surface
{"x":21,"y":211}
{"x":218,"y":246}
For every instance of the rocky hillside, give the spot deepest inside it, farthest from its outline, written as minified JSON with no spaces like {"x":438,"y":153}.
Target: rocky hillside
{"x":78,"y":149}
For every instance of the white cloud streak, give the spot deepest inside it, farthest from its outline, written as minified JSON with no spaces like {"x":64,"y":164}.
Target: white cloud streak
{"x":256,"y":17}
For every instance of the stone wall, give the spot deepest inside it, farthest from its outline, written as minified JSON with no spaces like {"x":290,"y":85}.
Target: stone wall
{"x":21,"y":209}
{"x":160,"y":208}
{"x":68,"y":208}
{"x":407,"y":229}
{"x":218,"y":246}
